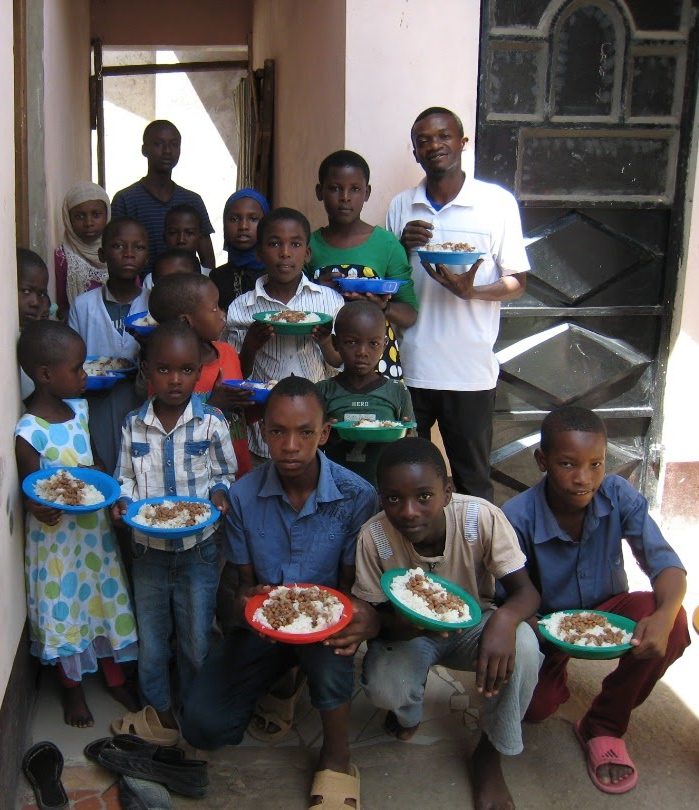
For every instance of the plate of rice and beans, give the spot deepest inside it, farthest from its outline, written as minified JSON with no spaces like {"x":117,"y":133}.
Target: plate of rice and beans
{"x":71,"y":489}
{"x":171,"y":516}
{"x":449,"y":253}
{"x":293,"y":321}
{"x":429,"y":600}
{"x":591,"y":634}
{"x":299,"y":613}
{"x":372,"y":430}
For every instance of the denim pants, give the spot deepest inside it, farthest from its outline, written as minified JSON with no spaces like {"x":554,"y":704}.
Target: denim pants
{"x":173,"y":590}
{"x":243,"y":667}
{"x":395,"y":673}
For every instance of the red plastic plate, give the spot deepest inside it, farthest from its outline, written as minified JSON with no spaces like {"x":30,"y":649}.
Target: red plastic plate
{"x":299,"y":638}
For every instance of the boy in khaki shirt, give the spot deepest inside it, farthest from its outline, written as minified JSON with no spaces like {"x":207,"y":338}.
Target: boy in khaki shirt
{"x":469,"y":542}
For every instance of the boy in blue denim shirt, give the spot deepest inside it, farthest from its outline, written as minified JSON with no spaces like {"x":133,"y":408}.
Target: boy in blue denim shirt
{"x":174,"y":445}
{"x":295,"y":519}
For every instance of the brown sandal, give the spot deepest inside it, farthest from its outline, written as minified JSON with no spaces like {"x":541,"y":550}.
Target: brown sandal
{"x":336,"y":788}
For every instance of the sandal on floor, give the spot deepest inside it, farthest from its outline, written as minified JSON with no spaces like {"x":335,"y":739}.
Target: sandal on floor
{"x":335,"y":789}
{"x":276,"y":711}
{"x":138,"y":794}
{"x":146,"y":725}
{"x":43,"y":766}
{"x":607,"y":751}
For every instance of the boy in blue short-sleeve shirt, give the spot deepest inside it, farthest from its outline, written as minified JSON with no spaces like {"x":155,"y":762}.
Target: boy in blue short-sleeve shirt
{"x":294,"y":519}
{"x":570,"y":526}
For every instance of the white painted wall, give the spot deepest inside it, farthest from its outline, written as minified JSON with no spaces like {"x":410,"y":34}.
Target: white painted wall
{"x":680,"y":436}
{"x":12,"y":600}
{"x":404,"y":56}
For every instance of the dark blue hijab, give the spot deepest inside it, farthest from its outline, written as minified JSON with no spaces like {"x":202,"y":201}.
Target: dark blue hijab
{"x":244,"y":258}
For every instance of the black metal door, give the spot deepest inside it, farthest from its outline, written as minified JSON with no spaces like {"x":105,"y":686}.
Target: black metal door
{"x":583,"y":114}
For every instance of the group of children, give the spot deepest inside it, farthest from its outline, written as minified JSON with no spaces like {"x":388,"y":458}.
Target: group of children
{"x":291,"y":511}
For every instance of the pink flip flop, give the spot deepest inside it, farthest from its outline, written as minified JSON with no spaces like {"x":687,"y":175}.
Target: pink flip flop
{"x":607,"y":751}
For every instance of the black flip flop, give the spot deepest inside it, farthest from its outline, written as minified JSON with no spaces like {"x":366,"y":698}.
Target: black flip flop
{"x":43,"y":766}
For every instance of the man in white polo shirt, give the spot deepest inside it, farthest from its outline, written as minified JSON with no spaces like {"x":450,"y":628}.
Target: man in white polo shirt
{"x":448,"y":360}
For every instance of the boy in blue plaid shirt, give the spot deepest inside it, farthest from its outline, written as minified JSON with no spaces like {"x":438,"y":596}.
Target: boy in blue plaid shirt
{"x":174,"y":445}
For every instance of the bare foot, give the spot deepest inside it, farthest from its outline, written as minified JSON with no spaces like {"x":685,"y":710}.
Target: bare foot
{"x":393,"y":727}
{"x":75,"y":710}
{"x":167,"y":719}
{"x":489,"y":789}
{"x":126,"y":695}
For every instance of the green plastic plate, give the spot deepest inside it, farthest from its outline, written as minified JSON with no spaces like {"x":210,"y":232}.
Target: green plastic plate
{"x":591,"y":653}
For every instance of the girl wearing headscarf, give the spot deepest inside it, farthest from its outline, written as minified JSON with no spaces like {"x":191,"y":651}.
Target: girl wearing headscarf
{"x":78,"y":268}
{"x":241,"y":215}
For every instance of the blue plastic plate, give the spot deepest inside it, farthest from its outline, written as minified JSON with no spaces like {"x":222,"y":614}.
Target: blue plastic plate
{"x":260,"y":392}
{"x":424,"y":621}
{"x":103,"y":382}
{"x":448,"y":257}
{"x":170,"y":533}
{"x":120,"y":371}
{"x":103,"y":482}
{"x":129,"y":323}
{"x":378,"y":286}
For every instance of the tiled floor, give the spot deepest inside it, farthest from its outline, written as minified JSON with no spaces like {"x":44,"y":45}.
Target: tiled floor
{"x":430,"y":771}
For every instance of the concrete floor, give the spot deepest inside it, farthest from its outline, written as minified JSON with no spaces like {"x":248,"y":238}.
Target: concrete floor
{"x":430,"y":771}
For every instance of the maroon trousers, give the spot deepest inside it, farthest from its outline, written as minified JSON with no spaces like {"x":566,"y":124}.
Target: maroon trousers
{"x":624,"y":688}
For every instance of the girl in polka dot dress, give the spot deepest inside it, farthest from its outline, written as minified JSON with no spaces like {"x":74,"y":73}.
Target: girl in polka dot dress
{"x":78,"y":604}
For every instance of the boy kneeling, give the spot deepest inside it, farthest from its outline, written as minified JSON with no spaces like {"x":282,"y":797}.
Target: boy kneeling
{"x":294,"y":519}
{"x":570,"y":526}
{"x":467,"y":541}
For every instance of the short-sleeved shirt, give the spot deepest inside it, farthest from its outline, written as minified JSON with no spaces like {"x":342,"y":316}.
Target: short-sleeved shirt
{"x":480,"y":547}
{"x":283,"y":545}
{"x":583,"y":574}
{"x":388,"y":400}
{"x":450,"y":346}
{"x":380,"y":256}
{"x":137,"y":202}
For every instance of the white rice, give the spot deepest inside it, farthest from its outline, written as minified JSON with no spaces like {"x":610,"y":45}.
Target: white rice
{"x":309,"y":317}
{"x":449,"y":247}
{"x":553,"y":624}
{"x":377,"y":423}
{"x":331,"y":613}
{"x":146,"y":320}
{"x":147,"y":516}
{"x":103,"y":365}
{"x":419,"y":605}
{"x":55,"y":487}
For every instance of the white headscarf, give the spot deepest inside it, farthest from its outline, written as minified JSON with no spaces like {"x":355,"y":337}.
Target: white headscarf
{"x":81,"y":193}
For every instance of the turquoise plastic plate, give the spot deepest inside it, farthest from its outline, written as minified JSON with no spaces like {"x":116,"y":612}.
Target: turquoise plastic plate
{"x":352,"y":433}
{"x":424,"y":621}
{"x":591,"y":653}
{"x":284,"y":328}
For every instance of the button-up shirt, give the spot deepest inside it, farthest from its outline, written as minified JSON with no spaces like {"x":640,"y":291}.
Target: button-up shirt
{"x":195,"y":458}
{"x":583,"y":574}
{"x":310,"y":545}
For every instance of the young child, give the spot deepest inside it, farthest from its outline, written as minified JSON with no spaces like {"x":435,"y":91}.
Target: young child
{"x":570,"y":526}
{"x":298,"y":497}
{"x":194,"y":300}
{"x":350,"y":247}
{"x":77,"y":600}
{"x":283,"y":249}
{"x":77,"y":264}
{"x":183,"y":230}
{"x":174,"y":445}
{"x":150,"y":198}
{"x":171,"y":261}
{"x":359,"y":391}
{"x":33,"y":302}
{"x":241,"y":216}
{"x":98,"y":317}
{"x":467,"y":541}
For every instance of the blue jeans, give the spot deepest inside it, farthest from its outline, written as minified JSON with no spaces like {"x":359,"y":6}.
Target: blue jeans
{"x":242,"y":668}
{"x":395,"y":673}
{"x":179,"y":586}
